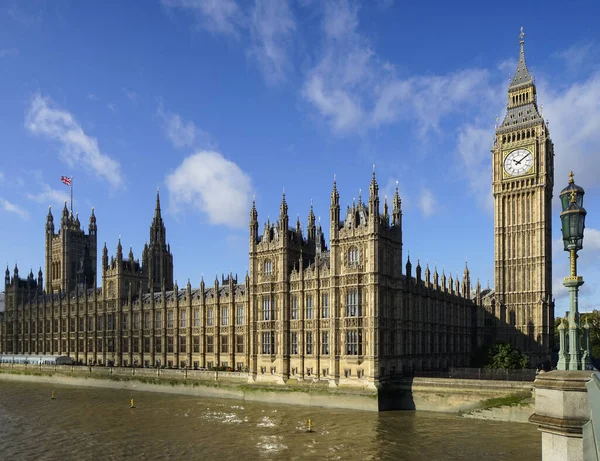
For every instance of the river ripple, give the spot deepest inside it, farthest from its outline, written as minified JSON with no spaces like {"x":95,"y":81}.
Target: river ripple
{"x":97,"y":424}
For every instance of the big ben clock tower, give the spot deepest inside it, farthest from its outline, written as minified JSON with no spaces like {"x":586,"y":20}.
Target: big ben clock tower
{"x":523,"y":179}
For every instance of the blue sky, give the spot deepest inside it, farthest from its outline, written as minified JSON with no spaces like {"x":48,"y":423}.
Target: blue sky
{"x":217,"y":101}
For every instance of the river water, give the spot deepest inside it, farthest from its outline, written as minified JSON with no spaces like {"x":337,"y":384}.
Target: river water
{"x":98,"y":424}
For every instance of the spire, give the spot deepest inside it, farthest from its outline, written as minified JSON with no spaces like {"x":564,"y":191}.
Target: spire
{"x":157,"y":215}
{"x":50,"y":221}
{"x":253,"y":212}
{"x":119,"y":250}
{"x":65,"y":214}
{"x":335,"y":196}
{"x":92,"y":226}
{"x":373,"y":187}
{"x":283,"y":208}
{"x":396,"y":207}
{"x":374,"y":198}
{"x":522,"y":75}
{"x":311,"y":229}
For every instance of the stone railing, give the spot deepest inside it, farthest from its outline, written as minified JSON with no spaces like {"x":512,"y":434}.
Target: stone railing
{"x":125,"y":372}
{"x":591,"y":430}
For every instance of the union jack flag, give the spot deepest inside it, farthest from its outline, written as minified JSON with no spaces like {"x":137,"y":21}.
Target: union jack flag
{"x":66,"y":180}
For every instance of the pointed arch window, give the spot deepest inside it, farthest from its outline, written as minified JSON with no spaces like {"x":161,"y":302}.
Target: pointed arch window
{"x":268,"y":267}
{"x":353,"y":256}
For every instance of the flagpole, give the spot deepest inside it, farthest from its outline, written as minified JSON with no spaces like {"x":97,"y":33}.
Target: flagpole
{"x":71,"y":186}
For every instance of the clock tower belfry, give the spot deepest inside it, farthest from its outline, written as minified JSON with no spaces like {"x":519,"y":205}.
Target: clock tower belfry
{"x":523,"y":180}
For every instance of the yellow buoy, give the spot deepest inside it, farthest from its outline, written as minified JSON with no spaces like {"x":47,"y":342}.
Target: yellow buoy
{"x":132,"y":405}
{"x":52,"y":395}
{"x":309,"y":424}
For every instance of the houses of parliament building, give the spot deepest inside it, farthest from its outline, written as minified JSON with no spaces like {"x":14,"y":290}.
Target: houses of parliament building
{"x":353,"y":312}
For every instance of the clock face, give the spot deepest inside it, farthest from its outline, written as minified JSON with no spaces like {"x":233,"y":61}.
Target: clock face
{"x":518,"y":162}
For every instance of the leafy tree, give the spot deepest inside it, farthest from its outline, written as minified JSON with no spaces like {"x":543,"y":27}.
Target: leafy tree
{"x":504,"y":356}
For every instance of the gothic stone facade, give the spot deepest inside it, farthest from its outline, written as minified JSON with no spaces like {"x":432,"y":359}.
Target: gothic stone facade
{"x":347,"y":314}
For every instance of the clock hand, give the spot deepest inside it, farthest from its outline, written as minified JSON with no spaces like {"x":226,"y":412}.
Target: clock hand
{"x":522,"y":158}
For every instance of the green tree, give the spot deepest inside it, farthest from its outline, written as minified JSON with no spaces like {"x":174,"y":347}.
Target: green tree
{"x":504,"y":356}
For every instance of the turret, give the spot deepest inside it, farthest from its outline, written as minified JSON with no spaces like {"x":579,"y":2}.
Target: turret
{"x":130,"y":256}
{"x":374,"y":199}
{"x":77,"y":222}
{"x":299,"y":228}
{"x":466,"y":282}
{"x":104,"y":258}
{"x":397,"y":209}
{"x":92,"y":228}
{"x":253,"y":224}
{"x":311,"y":229}
{"x":283,"y":217}
{"x":334,"y":210}
{"x":408,"y":268}
{"x":50,"y":222}
{"x":119,"y":253}
{"x":16,"y":273}
{"x":6,"y":277}
{"x":418,"y":271}
{"x":386,"y":216}
{"x":427,"y":274}
{"x":40,"y":280}
{"x":65,"y":216}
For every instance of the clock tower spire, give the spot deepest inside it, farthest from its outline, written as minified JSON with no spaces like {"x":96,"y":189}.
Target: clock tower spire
{"x":522,"y":183}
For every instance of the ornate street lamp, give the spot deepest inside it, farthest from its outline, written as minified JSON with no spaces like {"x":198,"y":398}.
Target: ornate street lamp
{"x":571,"y":355}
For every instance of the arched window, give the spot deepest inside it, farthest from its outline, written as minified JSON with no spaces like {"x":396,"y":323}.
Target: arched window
{"x":268,"y":267}
{"x":111,"y":289}
{"x":353,"y":257}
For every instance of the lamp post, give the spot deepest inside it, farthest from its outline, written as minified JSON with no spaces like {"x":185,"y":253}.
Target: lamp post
{"x":573,"y":222}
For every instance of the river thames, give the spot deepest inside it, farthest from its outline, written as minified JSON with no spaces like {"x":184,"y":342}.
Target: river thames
{"x":84,"y":423}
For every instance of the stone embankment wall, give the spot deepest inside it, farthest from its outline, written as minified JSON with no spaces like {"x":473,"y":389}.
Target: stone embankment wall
{"x":429,"y":394}
{"x":453,"y":395}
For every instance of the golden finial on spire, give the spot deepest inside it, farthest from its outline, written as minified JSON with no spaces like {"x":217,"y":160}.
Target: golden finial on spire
{"x":571,"y":178}
{"x":522,"y":35}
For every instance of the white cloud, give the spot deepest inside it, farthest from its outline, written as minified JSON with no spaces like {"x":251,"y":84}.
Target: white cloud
{"x":4,"y":52}
{"x":111,"y":107}
{"x":266,"y":28}
{"x":50,"y":196}
{"x":272,"y":25}
{"x":213,"y":185}
{"x":132,"y":95}
{"x":353,"y":88}
{"x":578,"y":56}
{"x":587,"y":264}
{"x":26,"y":18}
{"x":182,"y":133}
{"x":92,"y":97}
{"x":46,"y":119}
{"x":473,"y":146}
{"x":216,"y":16}
{"x":1,"y":176}
{"x":12,"y":208}
{"x":427,"y":202}
{"x":574,"y":116}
